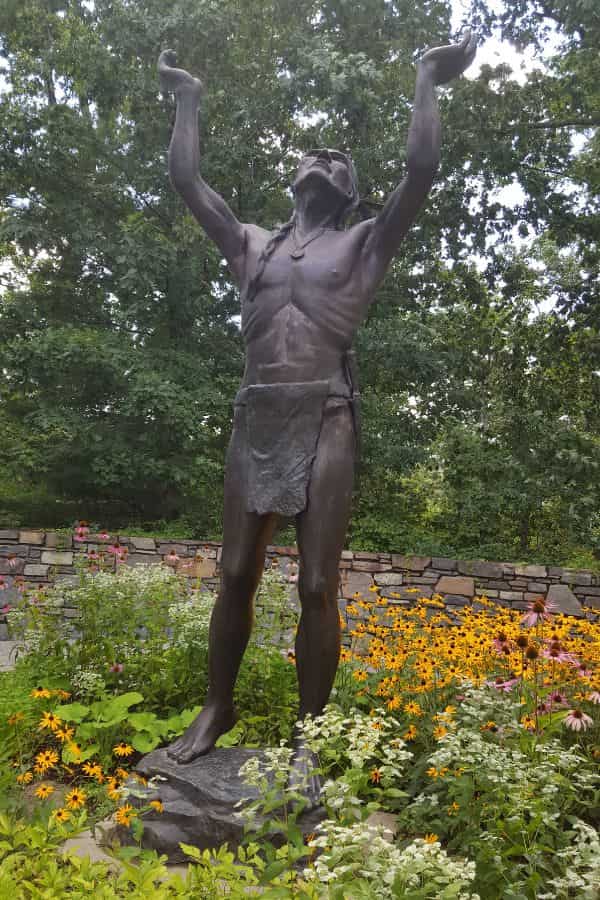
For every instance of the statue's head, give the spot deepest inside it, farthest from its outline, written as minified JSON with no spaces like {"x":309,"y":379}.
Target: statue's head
{"x":335,"y":169}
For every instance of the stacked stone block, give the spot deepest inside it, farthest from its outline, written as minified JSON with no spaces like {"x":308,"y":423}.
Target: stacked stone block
{"x":39,"y":557}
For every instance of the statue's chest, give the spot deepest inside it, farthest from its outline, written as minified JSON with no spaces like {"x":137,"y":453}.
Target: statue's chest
{"x":304,"y":272}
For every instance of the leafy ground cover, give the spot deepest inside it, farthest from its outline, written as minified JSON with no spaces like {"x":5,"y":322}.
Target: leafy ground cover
{"x":476,"y":728}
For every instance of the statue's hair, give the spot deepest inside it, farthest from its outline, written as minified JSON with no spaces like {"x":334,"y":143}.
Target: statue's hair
{"x":285,"y":229}
{"x":266,"y":254}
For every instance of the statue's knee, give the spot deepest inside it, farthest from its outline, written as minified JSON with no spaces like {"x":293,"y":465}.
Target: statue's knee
{"x":317,"y":591}
{"x":238,"y":580}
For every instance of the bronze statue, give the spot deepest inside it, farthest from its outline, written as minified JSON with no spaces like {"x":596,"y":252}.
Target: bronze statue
{"x":305,"y":289}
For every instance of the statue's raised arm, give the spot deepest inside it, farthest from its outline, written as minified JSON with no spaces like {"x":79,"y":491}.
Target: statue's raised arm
{"x":437,"y":66}
{"x":208,"y":207}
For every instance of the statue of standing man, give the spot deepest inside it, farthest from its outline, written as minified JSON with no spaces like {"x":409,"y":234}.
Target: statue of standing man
{"x":305,"y":290}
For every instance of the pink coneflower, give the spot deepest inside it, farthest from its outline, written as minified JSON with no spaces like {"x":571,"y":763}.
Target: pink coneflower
{"x":501,"y":643}
{"x":556,"y":652}
{"x":539,"y":610}
{"x":594,"y":697}
{"x":93,"y":555}
{"x":104,"y":536}
{"x":116,"y":667}
{"x":503,"y":684}
{"x":558,"y":699}
{"x":172,"y":558}
{"x":115,"y":548}
{"x":5,"y":609}
{"x":577,"y":720}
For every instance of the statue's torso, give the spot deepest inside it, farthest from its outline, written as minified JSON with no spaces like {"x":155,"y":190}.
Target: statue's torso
{"x":306,"y":311}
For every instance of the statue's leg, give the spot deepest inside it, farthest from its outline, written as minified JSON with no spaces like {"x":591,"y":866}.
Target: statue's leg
{"x":321,"y":534}
{"x":245,"y":539}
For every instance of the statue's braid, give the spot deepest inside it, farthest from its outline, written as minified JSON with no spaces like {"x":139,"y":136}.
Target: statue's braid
{"x":265,"y":256}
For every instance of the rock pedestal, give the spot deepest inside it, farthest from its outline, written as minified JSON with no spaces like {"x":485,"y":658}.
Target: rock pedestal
{"x":200,"y":801}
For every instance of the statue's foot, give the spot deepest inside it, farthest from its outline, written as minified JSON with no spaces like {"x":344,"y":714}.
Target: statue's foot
{"x":203,"y":733}
{"x":303,"y":778}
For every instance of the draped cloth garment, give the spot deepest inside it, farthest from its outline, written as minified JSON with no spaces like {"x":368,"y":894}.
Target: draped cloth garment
{"x":283,"y":423}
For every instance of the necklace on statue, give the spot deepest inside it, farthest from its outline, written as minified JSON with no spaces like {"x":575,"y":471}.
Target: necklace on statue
{"x":298,"y":250}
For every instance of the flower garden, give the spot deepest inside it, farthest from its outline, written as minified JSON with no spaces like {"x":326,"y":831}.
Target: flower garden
{"x":474,"y":731}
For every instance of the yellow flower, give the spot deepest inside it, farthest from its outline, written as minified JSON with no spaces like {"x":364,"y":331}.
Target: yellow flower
{"x":45,"y":759}
{"x":62,"y":695}
{"x":123,"y":749}
{"x":431,"y":838}
{"x":453,"y":808}
{"x":75,"y":749}
{"x":157,"y":805}
{"x":125,"y":814}
{"x":49,"y":720}
{"x":25,"y":777}
{"x":75,"y":798}
{"x":61,"y":815}
{"x":41,"y":693}
{"x":439,"y":732}
{"x":64,"y":734}
{"x":112,"y":789}
{"x":413,"y":708}
{"x":123,"y":774}
{"x":15,"y":718}
{"x":44,"y":791}
{"x":375,"y":776}
{"x":93,"y":771}
{"x":410,"y":733}
{"x":436,"y":773}
{"x":360,"y":675}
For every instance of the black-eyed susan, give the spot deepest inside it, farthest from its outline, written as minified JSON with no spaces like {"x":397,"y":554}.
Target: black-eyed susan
{"x":61,"y":815}
{"x":64,"y":734}
{"x":93,"y":770}
{"x":15,"y":718}
{"x":44,"y":760}
{"x":25,"y":777}
{"x":112,"y":789}
{"x":41,"y":693}
{"x":76,"y":798}
{"x":50,"y":721}
{"x":44,"y":791}
{"x":123,"y":750}
{"x":157,"y":805}
{"x":125,"y":814}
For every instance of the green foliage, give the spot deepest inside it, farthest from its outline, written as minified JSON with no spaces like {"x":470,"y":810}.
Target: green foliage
{"x":120,"y":351}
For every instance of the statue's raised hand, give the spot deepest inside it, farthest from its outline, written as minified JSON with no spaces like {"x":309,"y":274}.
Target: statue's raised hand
{"x":445,"y":63}
{"x":174,"y":79}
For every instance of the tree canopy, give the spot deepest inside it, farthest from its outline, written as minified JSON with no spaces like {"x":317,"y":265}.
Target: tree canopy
{"x":120,"y":350}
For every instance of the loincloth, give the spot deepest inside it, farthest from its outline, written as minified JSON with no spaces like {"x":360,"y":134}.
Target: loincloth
{"x":283,"y":422}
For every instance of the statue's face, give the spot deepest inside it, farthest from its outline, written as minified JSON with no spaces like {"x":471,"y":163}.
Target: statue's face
{"x":329,"y":165}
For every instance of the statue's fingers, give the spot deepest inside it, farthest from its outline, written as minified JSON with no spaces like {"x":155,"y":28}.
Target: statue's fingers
{"x":471,"y":47}
{"x":465,"y":40}
{"x":167,"y":60}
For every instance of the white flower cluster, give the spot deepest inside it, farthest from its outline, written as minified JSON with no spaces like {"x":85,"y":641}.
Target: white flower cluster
{"x":87,"y":683}
{"x":190,"y":619}
{"x":362,"y":852}
{"x":582,"y":867}
{"x":359,"y":738}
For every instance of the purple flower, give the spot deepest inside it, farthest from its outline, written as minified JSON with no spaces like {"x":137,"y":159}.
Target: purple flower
{"x":577,"y":720}
{"x":503,"y":684}
{"x":116,"y":667}
{"x":539,"y":610}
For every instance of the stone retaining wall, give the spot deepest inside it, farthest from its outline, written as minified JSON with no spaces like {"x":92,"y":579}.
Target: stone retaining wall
{"x":41,"y":557}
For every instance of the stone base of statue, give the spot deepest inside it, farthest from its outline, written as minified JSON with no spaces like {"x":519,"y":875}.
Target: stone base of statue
{"x":200,"y":801}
